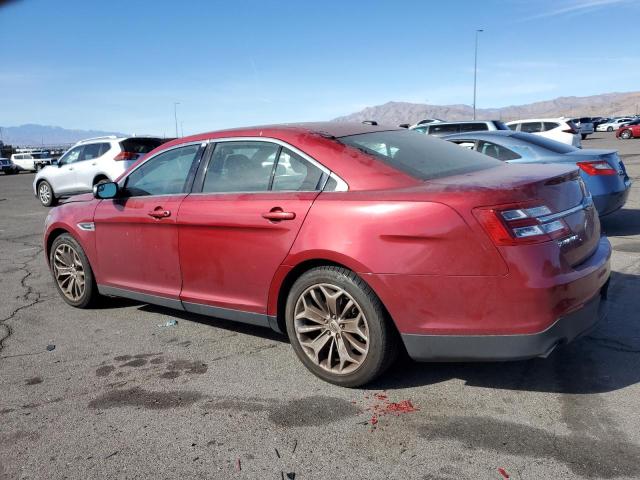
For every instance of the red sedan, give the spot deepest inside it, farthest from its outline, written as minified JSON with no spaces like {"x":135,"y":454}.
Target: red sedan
{"x":356,"y":240}
{"x":630,"y":130}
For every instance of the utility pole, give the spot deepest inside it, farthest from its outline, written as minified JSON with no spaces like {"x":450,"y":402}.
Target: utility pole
{"x":475,"y":73}
{"x":175,"y":115}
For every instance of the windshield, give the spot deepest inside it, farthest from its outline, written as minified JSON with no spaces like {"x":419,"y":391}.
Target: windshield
{"x":546,"y":143}
{"x":421,"y":156}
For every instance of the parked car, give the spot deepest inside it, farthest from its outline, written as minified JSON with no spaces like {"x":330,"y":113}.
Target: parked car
{"x":585,"y":126}
{"x":7,"y":167}
{"x":601,"y":170}
{"x":598,"y":120}
{"x":373,"y":236}
{"x":629,"y":130}
{"x":426,"y":121}
{"x":31,"y":162}
{"x":558,"y":129}
{"x":613,"y":124}
{"x":89,"y":162}
{"x":448,"y":128}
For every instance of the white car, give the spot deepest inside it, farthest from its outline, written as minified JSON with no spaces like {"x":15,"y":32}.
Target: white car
{"x":31,"y":161}
{"x":558,"y":129}
{"x":612,"y":125}
{"x":585,"y":125}
{"x":88,"y":162}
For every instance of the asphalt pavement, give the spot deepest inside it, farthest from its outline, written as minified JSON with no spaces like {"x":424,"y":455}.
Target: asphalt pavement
{"x":114,"y":393}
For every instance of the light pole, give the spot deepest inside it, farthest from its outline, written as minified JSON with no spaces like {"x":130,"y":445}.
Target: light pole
{"x":175,"y":115}
{"x":475,"y":73}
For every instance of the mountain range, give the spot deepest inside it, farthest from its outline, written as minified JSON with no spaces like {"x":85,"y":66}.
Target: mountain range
{"x":390,"y":113}
{"x":36,"y":135}
{"x":395,"y":113}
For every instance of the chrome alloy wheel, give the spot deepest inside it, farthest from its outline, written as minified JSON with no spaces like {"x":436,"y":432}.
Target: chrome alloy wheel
{"x":69,"y":272}
{"x":44,"y":192}
{"x":331,"y":328}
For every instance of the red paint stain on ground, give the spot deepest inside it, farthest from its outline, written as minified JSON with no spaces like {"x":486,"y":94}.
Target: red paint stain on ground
{"x":382,"y":406}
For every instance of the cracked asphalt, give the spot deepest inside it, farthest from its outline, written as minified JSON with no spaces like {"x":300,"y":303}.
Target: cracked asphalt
{"x":122,"y":397}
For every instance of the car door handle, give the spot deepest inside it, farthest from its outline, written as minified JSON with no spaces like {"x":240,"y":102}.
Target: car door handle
{"x":159,"y":212}
{"x":277,"y":214}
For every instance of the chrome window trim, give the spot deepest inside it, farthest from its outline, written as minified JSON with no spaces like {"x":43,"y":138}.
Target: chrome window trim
{"x":586,"y":203}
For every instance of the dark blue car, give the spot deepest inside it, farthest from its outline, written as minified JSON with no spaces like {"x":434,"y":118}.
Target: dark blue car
{"x":602,"y":170}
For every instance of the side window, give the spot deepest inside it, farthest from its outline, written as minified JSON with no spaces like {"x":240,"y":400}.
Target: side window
{"x":90,"y":152}
{"x":240,"y":167}
{"x":549,"y":126}
{"x":420,"y":129}
{"x":294,"y":173}
{"x":531,"y":127}
{"x":104,"y":148}
{"x":472,"y":127}
{"x":71,"y":156}
{"x":468,"y":144}
{"x":164,"y":174}
{"x":513,"y":126}
{"x":496,"y":151}
{"x":443,"y":129}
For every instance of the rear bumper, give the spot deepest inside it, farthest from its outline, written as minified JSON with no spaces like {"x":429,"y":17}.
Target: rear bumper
{"x":609,"y":203}
{"x":450,"y":348}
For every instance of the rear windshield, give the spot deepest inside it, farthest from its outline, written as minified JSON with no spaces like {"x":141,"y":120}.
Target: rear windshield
{"x":141,"y":145}
{"x":419,"y":155}
{"x":543,"y":142}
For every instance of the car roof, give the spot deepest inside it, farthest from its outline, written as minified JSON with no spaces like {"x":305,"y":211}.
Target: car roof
{"x":549,"y":119}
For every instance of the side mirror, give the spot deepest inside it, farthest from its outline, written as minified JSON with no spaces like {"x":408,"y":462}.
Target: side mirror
{"x":105,"y":191}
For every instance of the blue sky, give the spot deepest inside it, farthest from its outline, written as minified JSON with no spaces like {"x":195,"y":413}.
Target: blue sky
{"x":120,"y":65}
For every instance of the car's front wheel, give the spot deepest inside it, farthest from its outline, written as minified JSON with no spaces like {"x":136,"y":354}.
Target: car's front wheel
{"x":626,"y":134}
{"x":609,"y":129}
{"x":45,"y":194}
{"x":72,"y":272}
{"x":583,"y":135}
{"x":339,"y":328}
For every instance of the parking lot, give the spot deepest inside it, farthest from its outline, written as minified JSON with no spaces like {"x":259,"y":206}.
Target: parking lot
{"x":118,"y":391}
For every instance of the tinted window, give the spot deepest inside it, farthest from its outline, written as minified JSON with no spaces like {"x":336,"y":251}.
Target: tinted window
{"x":241,"y":167}
{"x":543,"y":142}
{"x":420,"y":156}
{"x":531,"y":127}
{"x":472,"y":127}
{"x":513,"y":126}
{"x":93,"y":150}
{"x":443,"y":129}
{"x":140,"y":145}
{"x":496,"y":151}
{"x":71,"y":156}
{"x":500,"y":125}
{"x":294,"y":173}
{"x":546,"y":126}
{"x":164,"y":174}
{"x":420,"y":129}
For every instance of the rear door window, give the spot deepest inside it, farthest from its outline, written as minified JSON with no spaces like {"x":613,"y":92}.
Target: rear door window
{"x":531,"y":127}
{"x":513,"y":126}
{"x":294,"y":173}
{"x":546,"y":126}
{"x":91,"y":151}
{"x":241,"y":167}
{"x":473,"y":127}
{"x":141,"y":145}
{"x":443,"y":129}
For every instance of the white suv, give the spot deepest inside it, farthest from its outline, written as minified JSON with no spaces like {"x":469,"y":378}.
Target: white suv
{"x":559,"y":129}
{"x":88,"y":162}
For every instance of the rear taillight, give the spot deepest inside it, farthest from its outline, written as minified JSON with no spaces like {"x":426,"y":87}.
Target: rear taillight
{"x":125,"y":156}
{"x":599,"y":167}
{"x":516,"y":225}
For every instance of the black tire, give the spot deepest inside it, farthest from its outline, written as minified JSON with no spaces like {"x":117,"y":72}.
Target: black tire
{"x":382,"y":336}
{"x":99,"y":180}
{"x":89,"y":296}
{"x":583,"y":135}
{"x":609,"y":129}
{"x":626,"y":134}
{"x":46,"y":194}
{"x":13,"y":171}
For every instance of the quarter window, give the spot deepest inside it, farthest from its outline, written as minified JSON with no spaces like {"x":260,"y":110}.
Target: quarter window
{"x":294,"y":173}
{"x":164,"y":174}
{"x":496,"y":151}
{"x":549,"y":126}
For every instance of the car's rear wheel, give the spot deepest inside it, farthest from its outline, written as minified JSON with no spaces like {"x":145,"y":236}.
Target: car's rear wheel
{"x":584,"y":136}
{"x":45,"y":194}
{"x":609,"y":129}
{"x":626,"y":134}
{"x":339,"y":328}
{"x":72,"y":272}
